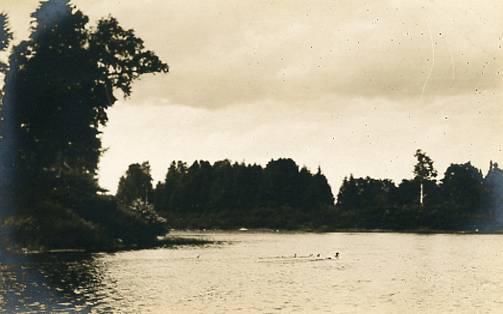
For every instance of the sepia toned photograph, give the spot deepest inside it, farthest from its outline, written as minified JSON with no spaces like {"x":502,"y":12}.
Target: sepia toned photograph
{"x":252,"y":156}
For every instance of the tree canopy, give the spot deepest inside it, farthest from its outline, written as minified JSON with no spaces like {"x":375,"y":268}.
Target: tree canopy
{"x":463,"y":199}
{"x":135,"y":184}
{"x":5,"y":39}
{"x":226,"y":194}
{"x":59,"y":83}
{"x":424,"y":170}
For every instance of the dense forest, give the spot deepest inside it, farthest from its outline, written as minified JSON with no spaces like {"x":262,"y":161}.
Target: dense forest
{"x":282,"y":195}
{"x":464,"y":199}
{"x":228,"y":195}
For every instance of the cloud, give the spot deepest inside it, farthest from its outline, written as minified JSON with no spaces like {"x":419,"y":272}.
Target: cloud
{"x":228,"y":53}
{"x":225,"y":53}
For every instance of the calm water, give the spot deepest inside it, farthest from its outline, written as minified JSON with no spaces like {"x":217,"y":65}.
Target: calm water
{"x":257,"y":272}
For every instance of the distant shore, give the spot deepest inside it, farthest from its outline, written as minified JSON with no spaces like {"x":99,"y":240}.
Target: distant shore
{"x":193,"y":237}
{"x":187,"y":232}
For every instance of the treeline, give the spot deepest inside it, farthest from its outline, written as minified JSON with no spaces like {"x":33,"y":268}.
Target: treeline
{"x":283,"y":195}
{"x":464,"y":199}
{"x":227,"y":195}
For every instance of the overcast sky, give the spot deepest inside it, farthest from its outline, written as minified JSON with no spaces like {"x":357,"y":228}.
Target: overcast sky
{"x":351,"y":86}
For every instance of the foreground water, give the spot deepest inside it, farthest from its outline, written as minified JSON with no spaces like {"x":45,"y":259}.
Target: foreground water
{"x":268,"y":273}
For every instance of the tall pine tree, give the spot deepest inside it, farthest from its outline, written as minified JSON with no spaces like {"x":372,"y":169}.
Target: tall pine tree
{"x":60,"y":83}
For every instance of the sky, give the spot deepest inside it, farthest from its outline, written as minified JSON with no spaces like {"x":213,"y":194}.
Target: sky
{"x":354,"y":87}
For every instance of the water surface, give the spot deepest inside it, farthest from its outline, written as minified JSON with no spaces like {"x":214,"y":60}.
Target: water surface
{"x":269,"y":273}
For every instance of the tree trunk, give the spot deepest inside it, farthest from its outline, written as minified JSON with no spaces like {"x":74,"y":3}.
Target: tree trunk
{"x":421,"y":194}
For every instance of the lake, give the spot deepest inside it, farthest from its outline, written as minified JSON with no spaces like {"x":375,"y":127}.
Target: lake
{"x":269,"y":273}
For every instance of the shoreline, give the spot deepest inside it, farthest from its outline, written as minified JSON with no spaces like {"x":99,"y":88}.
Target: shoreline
{"x":193,"y":237}
{"x":339,"y":230}
{"x":169,"y":241}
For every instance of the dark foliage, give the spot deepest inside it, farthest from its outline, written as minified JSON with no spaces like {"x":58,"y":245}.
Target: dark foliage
{"x":232,"y":195}
{"x":229,"y":195}
{"x":5,"y":39}
{"x":135,"y":184}
{"x":462,"y":200}
{"x":59,"y":85}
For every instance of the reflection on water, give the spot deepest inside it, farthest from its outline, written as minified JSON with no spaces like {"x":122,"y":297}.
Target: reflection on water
{"x":57,"y":282}
{"x":268,"y":272}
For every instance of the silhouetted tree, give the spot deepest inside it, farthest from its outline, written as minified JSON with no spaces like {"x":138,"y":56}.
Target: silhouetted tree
{"x":5,"y":39}
{"x":320,"y":190}
{"x":423,"y":171}
{"x":462,"y":187}
{"x":58,"y":87}
{"x":60,"y":83}
{"x":407,"y":192}
{"x":347,"y":197}
{"x":493,"y":197}
{"x":366,"y":192}
{"x":364,"y":202}
{"x":136,"y":184}
{"x":280,"y":177}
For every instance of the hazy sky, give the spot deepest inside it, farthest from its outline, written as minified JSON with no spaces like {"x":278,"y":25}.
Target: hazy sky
{"x":352,"y":86}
